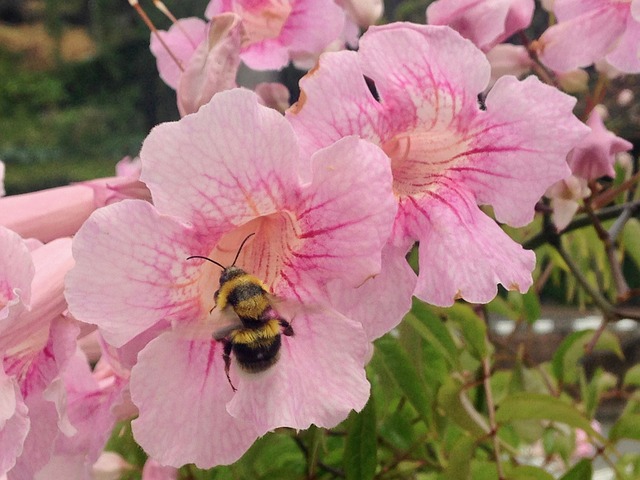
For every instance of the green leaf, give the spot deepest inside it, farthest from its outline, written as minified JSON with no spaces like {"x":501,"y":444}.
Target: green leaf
{"x":630,"y":235}
{"x":501,"y":307}
{"x":600,"y":382}
{"x":430,"y":327}
{"x":531,"y":305}
{"x":528,"y":472}
{"x":566,"y":359}
{"x":580,"y":471}
{"x":473,"y":329}
{"x":459,"y":466}
{"x":535,"y":406}
{"x":627,"y":426}
{"x":457,"y":406}
{"x":406,"y":376}
{"x":632,"y":377}
{"x":360,"y":450}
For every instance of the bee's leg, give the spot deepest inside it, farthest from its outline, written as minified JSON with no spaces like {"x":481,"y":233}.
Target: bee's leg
{"x":287,"y":329}
{"x":226,"y":355}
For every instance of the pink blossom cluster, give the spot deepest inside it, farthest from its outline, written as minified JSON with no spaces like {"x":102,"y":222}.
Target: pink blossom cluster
{"x":407,"y":141}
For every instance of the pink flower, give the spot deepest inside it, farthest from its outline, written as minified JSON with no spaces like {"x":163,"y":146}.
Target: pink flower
{"x":2,"y":192}
{"x":485,"y":22}
{"x":278,"y":31}
{"x":154,"y":471}
{"x":209,"y":57}
{"x":566,"y":197}
{"x":448,"y":155}
{"x":595,"y":155}
{"x":590,"y":30}
{"x":319,"y":224}
{"x":95,"y":400}
{"x":584,"y":448}
{"x":59,"y":212}
{"x":36,"y":343}
{"x":507,"y":59}
{"x":363,"y":13}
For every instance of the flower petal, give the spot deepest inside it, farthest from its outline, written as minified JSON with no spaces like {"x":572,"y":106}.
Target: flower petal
{"x":14,"y":421}
{"x":379,"y":303}
{"x":16,"y":274}
{"x":520,"y":147}
{"x":230,"y":162}
{"x":131,"y":271}
{"x":318,"y":380}
{"x":182,"y":39}
{"x":583,"y":39}
{"x":213,"y":66}
{"x":181,"y":390}
{"x":345,"y":215}
{"x":463,"y":253}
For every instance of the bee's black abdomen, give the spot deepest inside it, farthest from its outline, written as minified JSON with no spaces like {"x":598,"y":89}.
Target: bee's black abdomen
{"x":258,"y":356}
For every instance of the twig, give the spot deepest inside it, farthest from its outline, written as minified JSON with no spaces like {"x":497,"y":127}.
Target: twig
{"x":622,"y":288}
{"x":598,"y":299}
{"x":588,"y":348}
{"x":582,"y":221}
{"x":486,"y":375}
{"x":325,"y":467}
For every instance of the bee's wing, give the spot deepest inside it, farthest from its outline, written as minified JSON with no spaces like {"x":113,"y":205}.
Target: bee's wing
{"x":289,"y":309}
{"x":217,"y":325}
{"x":224,"y":322}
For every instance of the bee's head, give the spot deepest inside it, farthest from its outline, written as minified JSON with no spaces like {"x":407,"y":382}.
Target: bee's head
{"x":229,"y":273}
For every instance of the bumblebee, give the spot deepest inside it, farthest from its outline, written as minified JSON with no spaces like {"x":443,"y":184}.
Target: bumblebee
{"x":253,"y":334}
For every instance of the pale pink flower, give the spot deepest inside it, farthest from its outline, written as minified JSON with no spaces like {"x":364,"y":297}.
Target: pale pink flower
{"x":592,"y":158}
{"x":595,"y":155}
{"x":209,"y":56}
{"x":278,"y":31}
{"x":35,"y":347}
{"x":2,"y":192}
{"x":448,"y":155}
{"x":182,"y":40}
{"x":274,"y":95}
{"x":96,"y":400}
{"x":584,"y":448}
{"x":363,"y":13}
{"x":110,"y":466}
{"x":591,"y":30}
{"x":155,"y":471}
{"x":59,"y":212}
{"x":485,"y":22}
{"x":319,"y":224}
{"x":508,"y":59}
{"x":566,"y":197}
{"x":16,"y":270}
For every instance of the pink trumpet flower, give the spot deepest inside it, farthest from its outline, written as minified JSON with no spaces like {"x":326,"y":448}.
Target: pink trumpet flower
{"x":59,"y":212}
{"x":279,"y":31}
{"x":2,"y":192}
{"x":209,"y":56}
{"x":310,"y":227}
{"x":36,"y":343}
{"x":591,"y":30}
{"x":413,"y":91}
{"x":485,"y":22}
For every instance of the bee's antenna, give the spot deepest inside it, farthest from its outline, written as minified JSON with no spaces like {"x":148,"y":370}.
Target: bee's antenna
{"x":234,"y":260}
{"x":240,"y":249}
{"x":206,"y":258}
{"x":154,"y":30}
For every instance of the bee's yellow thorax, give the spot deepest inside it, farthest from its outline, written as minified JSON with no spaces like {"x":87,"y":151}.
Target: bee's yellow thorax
{"x":265,"y":333}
